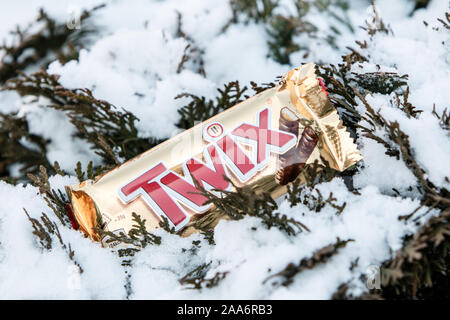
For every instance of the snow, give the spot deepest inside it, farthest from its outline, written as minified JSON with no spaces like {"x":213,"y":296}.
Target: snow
{"x":152,"y":80}
{"x":243,"y":56}
{"x":36,"y":115}
{"x":118,"y":64}
{"x":370,"y":220}
{"x":429,"y":142}
{"x":28,"y":272}
{"x":384,"y":172}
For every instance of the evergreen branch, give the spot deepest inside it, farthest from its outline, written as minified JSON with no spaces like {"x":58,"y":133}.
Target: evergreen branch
{"x":444,"y":118}
{"x":55,"y":199}
{"x":90,"y":172}
{"x":112,"y":134}
{"x":137,"y":238}
{"x":44,"y":230}
{"x":199,"y":109}
{"x":446,"y":23}
{"x":52,"y":38}
{"x":19,"y":146}
{"x":376,"y":24}
{"x":244,"y":201}
{"x":257,"y":10}
{"x":260,"y":88}
{"x":302,"y":194}
{"x":320,"y":256}
{"x":196,"y":278}
{"x":192,"y":52}
{"x":421,"y":267}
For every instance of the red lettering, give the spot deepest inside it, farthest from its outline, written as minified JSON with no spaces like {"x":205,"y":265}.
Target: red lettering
{"x":165,"y":203}
{"x":155,"y":196}
{"x":143,"y":179}
{"x":235,"y":154}
{"x":202,"y":173}
{"x":263,"y":136}
{"x":183,"y":188}
{"x":161,"y":188}
{"x":189,"y":193}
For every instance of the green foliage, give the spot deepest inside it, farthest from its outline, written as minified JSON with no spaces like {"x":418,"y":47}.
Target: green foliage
{"x":307,"y":193}
{"x":444,"y":118}
{"x":164,"y":224}
{"x":256,"y":10}
{"x":55,"y":199}
{"x":35,"y":45}
{"x":244,"y":201}
{"x":312,"y":198}
{"x":51,"y":38}
{"x":209,"y":236}
{"x":281,"y":43}
{"x":200,"y":109}
{"x":344,"y":87}
{"x":19,"y":146}
{"x":90,"y":172}
{"x":196,"y":278}
{"x":45,"y":230}
{"x":137,"y":238}
{"x":376,"y":24}
{"x":264,"y":86}
{"x":419,"y":4}
{"x":192,"y":53}
{"x":111,"y":133}
{"x":320,"y":256}
{"x":446,"y":23}
{"x":403,"y":104}
{"x":380,"y":82}
{"x":420,"y":269}
{"x":283,"y":30}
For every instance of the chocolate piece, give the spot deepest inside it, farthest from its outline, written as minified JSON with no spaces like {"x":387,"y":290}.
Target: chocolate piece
{"x":294,"y":164}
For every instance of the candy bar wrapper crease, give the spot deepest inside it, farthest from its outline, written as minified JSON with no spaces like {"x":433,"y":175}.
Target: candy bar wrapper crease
{"x":263,"y":142}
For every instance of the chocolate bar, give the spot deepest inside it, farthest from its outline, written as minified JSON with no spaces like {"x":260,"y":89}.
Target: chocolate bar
{"x":264,"y":142}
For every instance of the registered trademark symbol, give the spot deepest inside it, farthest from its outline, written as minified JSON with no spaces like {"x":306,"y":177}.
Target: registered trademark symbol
{"x":214,"y":130}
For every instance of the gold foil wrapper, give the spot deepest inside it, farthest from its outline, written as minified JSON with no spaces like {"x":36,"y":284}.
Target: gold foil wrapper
{"x":264,"y":142}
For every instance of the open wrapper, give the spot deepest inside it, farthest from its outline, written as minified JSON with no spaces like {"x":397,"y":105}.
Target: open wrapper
{"x":264,"y":142}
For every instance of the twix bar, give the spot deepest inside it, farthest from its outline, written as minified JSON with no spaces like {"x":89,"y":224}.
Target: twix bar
{"x":266,"y":140}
